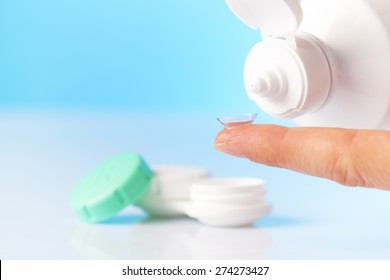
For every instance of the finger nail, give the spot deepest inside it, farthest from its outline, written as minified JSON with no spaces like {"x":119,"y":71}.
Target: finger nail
{"x":227,"y":149}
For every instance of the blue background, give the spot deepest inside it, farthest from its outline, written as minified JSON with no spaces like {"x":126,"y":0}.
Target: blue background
{"x":170,"y":55}
{"x":148,"y":59}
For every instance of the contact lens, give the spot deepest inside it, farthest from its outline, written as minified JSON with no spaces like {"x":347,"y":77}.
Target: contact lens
{"x":234,"y":121}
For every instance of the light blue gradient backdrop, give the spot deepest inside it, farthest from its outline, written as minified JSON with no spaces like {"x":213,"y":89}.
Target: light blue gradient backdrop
{"x":138,"y":55}
{"x":141,"y":61}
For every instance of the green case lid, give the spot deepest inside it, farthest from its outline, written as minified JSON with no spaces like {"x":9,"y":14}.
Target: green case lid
{"x":110,"y":186}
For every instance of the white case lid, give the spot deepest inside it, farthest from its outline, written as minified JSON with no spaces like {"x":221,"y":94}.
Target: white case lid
{"x":276,"y":18}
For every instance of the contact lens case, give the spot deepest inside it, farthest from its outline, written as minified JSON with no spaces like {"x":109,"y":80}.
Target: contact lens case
{"x":169,"y":194}
{"x":228,"y":201}
{"x":167,"y":191}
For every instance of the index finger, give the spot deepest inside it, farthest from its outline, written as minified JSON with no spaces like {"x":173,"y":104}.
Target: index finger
{"x":349,"y":157}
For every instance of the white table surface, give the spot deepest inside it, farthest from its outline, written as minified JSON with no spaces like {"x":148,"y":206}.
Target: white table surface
{"x":42,"y":154}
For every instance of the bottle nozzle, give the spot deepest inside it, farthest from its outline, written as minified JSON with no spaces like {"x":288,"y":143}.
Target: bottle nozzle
{"x":258,"y":86}
{"x":270,"y":85}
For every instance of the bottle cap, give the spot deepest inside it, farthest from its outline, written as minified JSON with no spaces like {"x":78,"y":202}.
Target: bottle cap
{"x":110,"y":186}
{"x":290,"y":73}
{"x":276,"y":18}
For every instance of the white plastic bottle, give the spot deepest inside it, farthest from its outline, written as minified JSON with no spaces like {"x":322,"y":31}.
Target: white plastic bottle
{"x":321,"y":62}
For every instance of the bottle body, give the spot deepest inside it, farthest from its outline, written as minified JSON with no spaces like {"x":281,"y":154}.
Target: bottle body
{"x":321,"y":63}
{"x":357,"y":35}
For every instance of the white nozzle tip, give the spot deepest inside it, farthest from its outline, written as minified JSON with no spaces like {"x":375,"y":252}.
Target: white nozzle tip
{"x":257,"y":86}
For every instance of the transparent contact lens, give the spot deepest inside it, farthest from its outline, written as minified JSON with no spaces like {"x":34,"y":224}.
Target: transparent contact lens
{"x":234,"y":121}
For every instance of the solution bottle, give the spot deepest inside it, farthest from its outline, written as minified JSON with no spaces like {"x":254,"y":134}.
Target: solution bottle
{"x":321,"y":62}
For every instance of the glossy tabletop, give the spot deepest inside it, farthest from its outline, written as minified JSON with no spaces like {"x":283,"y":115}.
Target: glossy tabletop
{"x":44,"y":153}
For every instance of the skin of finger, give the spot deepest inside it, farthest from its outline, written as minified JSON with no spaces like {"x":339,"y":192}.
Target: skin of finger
{"x":370,"y":158}
{"x":349,"y":157}
{"x":227,"y":149}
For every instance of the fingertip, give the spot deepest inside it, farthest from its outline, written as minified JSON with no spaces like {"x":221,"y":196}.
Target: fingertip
{"x":221,"y":138}
{"x":258,"y":143}
{"x":227,"y":149}
{"x":224,"y":142}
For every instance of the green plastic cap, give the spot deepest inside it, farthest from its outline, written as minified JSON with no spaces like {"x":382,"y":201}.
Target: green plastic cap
{"x":110,"y":186}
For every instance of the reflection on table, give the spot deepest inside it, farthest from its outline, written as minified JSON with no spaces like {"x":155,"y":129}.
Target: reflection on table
{"x":171,"y":239}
